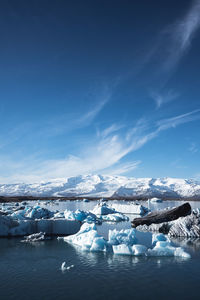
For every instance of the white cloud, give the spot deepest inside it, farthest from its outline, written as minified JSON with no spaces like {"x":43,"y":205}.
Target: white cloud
{"x":193,"y":148}
{"x":163,"y":98}
{"x":104,"y":156}
{"x":181,"y":34}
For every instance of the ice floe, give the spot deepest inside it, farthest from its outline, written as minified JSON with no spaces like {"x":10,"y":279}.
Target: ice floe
{"x":115,"y":217}
{"x":64,"y":268}
{"x":163,"y":247}
{"x":132,"y":208}
{"x":155,"y":200}
{"x":36,"y":237}
{"x":88,"y":238}
{"x":103,"y":209}
{"x":123,"y":242}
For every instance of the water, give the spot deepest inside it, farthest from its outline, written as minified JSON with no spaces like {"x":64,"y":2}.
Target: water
{"x":32,"y":271}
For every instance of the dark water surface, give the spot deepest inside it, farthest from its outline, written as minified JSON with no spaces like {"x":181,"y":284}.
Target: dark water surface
{"x":32,"y":271}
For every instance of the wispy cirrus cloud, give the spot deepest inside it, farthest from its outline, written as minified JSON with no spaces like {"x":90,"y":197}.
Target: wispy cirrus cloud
{"x":171,"y":46}
{"x":163,"y":98}
{"x":193,"y":148}
{"x":105,"y":154}
{"x":180,"y":35}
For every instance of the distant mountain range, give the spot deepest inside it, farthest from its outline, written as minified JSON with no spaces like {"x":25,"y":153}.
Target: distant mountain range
{"x":106,"y":186}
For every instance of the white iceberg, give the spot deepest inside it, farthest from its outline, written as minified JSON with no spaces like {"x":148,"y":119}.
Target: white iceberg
{"x":126,"y":208}
{"x":155,"y":200}
{"x":103,"y":209}
{"x":163,"y":247}
{"x":122,"y":249}
{"x":12,"y":227}
{"x":88,"y":238}
{"x":64,"y":268}
{"x":115,"y":217}
{"x":124,"y":236}
{"x":80,"y":215}
{"x":123,"y":242}
{"x":36,"y":237}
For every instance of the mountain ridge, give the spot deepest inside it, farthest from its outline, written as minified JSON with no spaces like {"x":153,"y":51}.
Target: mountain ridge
{"x":106,"y":186}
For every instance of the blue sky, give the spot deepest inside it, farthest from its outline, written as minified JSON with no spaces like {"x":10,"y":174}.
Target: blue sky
{"x":109,"y":87}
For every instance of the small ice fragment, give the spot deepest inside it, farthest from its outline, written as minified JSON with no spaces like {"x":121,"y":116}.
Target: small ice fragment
{"x":64,"y":268}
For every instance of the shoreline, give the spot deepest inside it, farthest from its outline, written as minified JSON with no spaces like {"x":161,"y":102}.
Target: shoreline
{"x":7,"y":199}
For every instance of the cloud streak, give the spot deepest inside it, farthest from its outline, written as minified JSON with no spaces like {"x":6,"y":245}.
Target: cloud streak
{"x":180,"y":35}
{"x":105,"y":155}
{"x":171,"y":46}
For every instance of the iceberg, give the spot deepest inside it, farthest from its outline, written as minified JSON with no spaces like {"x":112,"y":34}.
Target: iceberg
{"x":38,"y":212}
{"x":36,"y":237}
{"x":122,"y":249}
{"x":136,"y":209}
{"x":155,"y":200}
{"x":103,"y":209}
{"x":13,"y":227}
{"x":123,"y":242}
{"x":115,"y":217}
{"x":82,"y":216}
{"x":124,"y":236}
{"x":139,"y":250}
{"x":162,"y":247}
{"x":88,"y":238}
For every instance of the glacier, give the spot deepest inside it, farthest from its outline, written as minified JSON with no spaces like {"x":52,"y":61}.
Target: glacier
{"x":106,"y":186}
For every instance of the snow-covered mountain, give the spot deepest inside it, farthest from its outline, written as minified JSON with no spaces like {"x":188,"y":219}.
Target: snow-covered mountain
{"x":106,"y":186}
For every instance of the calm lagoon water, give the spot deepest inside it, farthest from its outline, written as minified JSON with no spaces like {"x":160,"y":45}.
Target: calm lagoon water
{"x":32,"y":271}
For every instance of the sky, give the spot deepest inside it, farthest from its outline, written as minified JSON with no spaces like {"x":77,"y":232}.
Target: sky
{"x":99,"y":87}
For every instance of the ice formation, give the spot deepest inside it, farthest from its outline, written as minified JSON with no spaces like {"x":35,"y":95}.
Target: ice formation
{"x":88,"y":238}
{"x":188,"y":226}
{"x":103,"y":209}
{"x":36,"y":237}
{"x":64,"y":268}
{"x":132,"y":208}
{"x":17,"y":227}
{"x":163,"y":247}
{"x":115,"y":217}
{"x":155,"y":200}
{"x":80,"y":215}
{"x":123,"y":242}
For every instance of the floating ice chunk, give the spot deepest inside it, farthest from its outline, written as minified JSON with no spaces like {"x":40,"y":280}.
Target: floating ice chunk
{"x":103,"y":209}
{"x":86,"y":200}
{"x":69,"y":215}
{"x":124,"y":236}
{"x":88,"y":238}
{"x":159,"y":238}
{"x":163,"y":247}
{"x":115,"y":217}
{"x":156,"y":200}
{"x":98,"y":244}
{"x":38,"y":212}
{"x":139,"y":250}
{"x":64,"y":268}
{"x":36,"y":237}
{"x":136,"y":209}
{"x":19,"y":215}
{"x":80,"y":215}
{"x":122,"y":249}
{"x":59,"y":215}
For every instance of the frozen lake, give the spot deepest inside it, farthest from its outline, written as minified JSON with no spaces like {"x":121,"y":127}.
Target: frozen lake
{"x":32,"y":271}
